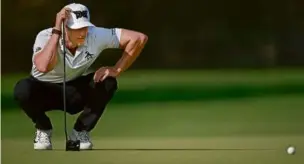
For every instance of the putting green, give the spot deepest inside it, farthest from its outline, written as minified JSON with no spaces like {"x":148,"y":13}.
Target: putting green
{"x":213,"y":150}
{"x":243,"y":130}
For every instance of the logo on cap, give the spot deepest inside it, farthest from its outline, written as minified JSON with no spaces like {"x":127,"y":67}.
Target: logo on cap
{"x":80,"y":14}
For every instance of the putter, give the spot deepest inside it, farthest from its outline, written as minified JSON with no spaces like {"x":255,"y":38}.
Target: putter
{"x":70,"y":145}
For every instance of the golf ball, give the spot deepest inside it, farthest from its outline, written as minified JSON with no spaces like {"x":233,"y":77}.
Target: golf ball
{"x":291,"y":150}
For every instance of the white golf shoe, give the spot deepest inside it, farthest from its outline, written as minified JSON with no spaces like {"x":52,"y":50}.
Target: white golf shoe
{"x":84,"y":137}
{"x":42,"y":140}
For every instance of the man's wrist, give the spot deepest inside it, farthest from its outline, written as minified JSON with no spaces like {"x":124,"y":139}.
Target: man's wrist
{"x":118,"y":69}
{"x":57,"y":28}
{"x":56,"y":31}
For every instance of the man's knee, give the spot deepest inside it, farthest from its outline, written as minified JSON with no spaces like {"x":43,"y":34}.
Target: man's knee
{"x":109,"y":85}
{"x":22,"y":90}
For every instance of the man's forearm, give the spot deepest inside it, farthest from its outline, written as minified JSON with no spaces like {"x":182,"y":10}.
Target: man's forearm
{"x":129,"y":55}
{"x":47,"y":58}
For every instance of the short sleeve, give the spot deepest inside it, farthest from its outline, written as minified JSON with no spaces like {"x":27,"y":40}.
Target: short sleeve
{"x":107,"y":37}
{"x":40,"y":41}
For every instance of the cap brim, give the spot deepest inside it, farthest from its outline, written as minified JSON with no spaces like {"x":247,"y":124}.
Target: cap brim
{"x":80,"y":25}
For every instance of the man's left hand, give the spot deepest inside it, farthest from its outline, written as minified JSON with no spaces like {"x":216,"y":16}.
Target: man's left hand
{"x":104,"y":72}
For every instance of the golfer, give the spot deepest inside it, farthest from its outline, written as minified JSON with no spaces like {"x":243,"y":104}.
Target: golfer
{"x":87,"y":91}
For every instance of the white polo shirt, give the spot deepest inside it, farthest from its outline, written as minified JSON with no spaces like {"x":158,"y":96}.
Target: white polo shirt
{"x":98,"y":39}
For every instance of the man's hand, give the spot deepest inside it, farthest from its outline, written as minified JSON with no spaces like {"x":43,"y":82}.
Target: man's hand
{"x":61,"y":16}
{"x":104,"y":72}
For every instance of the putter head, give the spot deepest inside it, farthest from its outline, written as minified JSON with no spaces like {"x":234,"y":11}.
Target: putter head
{"x":72,"y":145}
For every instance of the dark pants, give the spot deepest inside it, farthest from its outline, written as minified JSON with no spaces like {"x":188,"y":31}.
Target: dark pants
{"x":82,"y":94}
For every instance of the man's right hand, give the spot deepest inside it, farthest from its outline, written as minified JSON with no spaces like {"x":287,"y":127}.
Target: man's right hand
{"x":104,"y":72}
{"x":62,"y":15}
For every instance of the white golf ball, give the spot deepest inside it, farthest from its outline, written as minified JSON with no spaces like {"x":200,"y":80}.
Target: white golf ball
{"x":291,"y":150}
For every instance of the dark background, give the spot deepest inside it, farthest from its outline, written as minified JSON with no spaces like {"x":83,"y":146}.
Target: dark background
{"x":240,"y":101}
{"x":182,"y":34}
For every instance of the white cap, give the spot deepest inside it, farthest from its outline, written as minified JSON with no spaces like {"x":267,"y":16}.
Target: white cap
{"x":80,"y":16}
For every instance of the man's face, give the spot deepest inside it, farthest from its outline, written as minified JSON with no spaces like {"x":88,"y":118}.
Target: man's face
{"x":77,"y":36}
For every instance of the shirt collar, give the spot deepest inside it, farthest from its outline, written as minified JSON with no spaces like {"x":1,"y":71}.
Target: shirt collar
{"x":85,"y":45}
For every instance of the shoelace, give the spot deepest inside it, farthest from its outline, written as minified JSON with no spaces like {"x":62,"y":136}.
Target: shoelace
{"x":83,"y":136}
{"x":43,"y":137}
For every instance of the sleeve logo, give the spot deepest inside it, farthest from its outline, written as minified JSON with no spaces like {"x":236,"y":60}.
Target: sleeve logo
{"x":113,"y":31}
{"x":38,"y":49}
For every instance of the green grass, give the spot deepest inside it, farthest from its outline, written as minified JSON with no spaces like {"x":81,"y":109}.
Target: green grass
{"x":169,"y":86}
{"x":255,"y":116}
{"x":254,"y":150}
{"x":212,"y":117}
{"x":175,"y":78}
{"x":245,"y":130}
